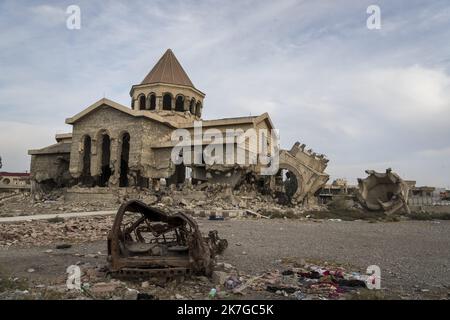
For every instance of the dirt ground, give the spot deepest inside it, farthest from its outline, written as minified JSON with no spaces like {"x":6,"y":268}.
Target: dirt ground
{"x":413,"y":255}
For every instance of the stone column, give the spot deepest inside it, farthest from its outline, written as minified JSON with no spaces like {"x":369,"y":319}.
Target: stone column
{"x":159,"y":102}
{"x":147,"y":102}
{"x":186,"y":103}
{"x":95,"y":166}
{"x":114,"y":162}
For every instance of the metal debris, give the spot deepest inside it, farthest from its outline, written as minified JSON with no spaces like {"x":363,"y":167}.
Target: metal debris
{"x":147,"y":241}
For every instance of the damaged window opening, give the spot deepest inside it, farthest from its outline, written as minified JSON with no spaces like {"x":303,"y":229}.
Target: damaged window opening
{"x":152,"y":102}
{"x":179,"y":104}
{"x":142,"y":102}
{"x":106,"y":157}
{"x":286,"y":186}
{"x":86,"y":172}
{"x":124,"y":158}
{"x":167,"y":102}
{"x":179,"y":175}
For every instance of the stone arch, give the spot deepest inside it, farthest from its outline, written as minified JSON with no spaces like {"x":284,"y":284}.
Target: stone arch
{"x":86,"y":160}
{"x":179,"y":103}
{"x":104,"y":157}
{"x":152,"y":101}
{"x":167,"y":101}
{"x":297,"y":195}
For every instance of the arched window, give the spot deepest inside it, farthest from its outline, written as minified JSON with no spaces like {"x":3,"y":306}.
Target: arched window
{"x":105,"y":144}
{"x":142,"y":102}
{"x":86,"y":178}
{"x":179,"y":104}
{"x":152,"y":100}
{"x":124,"y":158}
{"x":198,"y":109}
{"x":192,"y":106}
{"x":167,"y":102}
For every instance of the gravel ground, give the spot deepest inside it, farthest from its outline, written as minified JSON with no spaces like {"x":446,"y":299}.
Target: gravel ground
{"x":411,"y":254}
{"x":414,"y":256}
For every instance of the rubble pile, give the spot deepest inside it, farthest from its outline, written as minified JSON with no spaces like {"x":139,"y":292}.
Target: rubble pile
{"x":42,"y":232}
{"x":218,"y":197}
{"x":24,"y":204}
{"x":187,"y":197}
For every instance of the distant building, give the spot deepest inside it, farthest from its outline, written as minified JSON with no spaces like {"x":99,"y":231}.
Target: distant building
{"x":13,"y":181}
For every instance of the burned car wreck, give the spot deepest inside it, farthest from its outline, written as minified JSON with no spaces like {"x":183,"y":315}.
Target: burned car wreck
{"x":146,"y":241}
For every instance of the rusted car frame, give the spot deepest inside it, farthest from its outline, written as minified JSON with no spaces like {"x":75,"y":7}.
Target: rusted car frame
{"x":145,"y":240}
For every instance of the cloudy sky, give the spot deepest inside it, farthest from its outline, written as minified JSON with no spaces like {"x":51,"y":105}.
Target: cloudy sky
{"x":368,"y":99}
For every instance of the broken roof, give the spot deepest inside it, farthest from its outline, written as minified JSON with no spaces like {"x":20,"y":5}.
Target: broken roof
{"x":60,"y":147}
{"x":168,"y":70}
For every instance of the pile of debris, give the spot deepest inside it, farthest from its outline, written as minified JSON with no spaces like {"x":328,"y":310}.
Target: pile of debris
{"x":297,"y":281}
{"x":306,"y":282}
{"x":24,"y":204}
{"x":45,"y":232}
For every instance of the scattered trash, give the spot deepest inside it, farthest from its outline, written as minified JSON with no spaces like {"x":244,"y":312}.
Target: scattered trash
{"x":212,"y":293}
{"x":232,"y":282}
{"x":299,"y":295}
{"x":303,"y":281}
{"x":216,"y":217}
{"x":255,"y":214}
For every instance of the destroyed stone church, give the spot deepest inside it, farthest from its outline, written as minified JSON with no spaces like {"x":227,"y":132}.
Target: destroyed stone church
{"x":113,"y":146}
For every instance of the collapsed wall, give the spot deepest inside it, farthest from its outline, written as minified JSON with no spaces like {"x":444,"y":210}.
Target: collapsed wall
{"x":385,"y":192}
{"x":305,"y":175}
{"x":50,"y":165}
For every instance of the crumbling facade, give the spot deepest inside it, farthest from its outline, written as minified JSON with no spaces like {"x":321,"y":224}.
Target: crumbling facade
{"x":115,"y":146}
{"x":308,"y":169}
